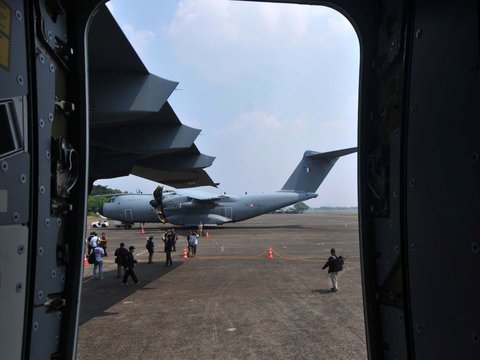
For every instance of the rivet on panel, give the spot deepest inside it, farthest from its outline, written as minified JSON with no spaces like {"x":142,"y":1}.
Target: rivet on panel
{"x":397,"y":249}
{"x":63,"y":278}
{"x":412,"y":247}
{"x":40,"y":251}
{"x":50,"y":117}
{"x":59,"y":222}
{"x":395,"y":193}
{"x":390,"y":223}
{"x":4,"y":166}
{"x":400,"y":317}
{"x":475,"y":247}
{"x":15,"y":217}
{"x":52,"y":68}
{"x":475,"y":338}
{"x":53,"y":273}
{"x":42,"y":58}
{"x":42,"y":189}
{"x":20,"y":249}
{"x":18,"y":15}
{"x":412,"y":183}
{"x":47,"y":222}
{"x":418,"y":328}
{"x":18,"y":287}
{"x":20,"y":80}
{"x":414,"y":110}
{"x":41,"y":123}
{"x":474,"y":157}
{"x":35,"y":326}
{"x":419,"y":33}
{"x":23,"y":178}
{"x":57,"y":339}
{"x":59,"y":315}
{"x":40,"y":294}
{"x":50,"y":36}
{"x":47,"y":154}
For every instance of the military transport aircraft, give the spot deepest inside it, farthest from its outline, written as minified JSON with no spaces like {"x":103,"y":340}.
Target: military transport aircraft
{"x":190,"y":207}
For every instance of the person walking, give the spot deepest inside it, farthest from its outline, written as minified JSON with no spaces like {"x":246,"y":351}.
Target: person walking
{"x":150,"y":248}
{"x":129,"y":264}
{"x":98,"y":251}
{"x":168,"y":247}
{"x":194,"y":244}
{"x":334,"y":264}
{"x":190,"y":242}
{"x":120,"y":254}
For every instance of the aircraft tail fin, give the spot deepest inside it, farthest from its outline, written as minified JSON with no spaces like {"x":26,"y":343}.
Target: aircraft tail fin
{"x":313,"y":169}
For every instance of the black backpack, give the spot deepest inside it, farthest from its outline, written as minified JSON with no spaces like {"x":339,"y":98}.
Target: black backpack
{"x":91,"y":258}
{"x":338,"y":263}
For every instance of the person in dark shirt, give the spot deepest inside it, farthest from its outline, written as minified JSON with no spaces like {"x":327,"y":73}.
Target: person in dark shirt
{"x":168,"y":240}
{"x":128,"y":264}
{"x":120,"y":253}
{"x":150,"y":248}
{"x":333,"y":269}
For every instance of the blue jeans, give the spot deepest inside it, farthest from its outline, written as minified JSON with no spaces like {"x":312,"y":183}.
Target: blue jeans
{"x":100,"y":266}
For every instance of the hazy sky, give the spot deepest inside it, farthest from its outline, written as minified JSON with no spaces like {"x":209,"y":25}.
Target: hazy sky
{"x":264,"y":82}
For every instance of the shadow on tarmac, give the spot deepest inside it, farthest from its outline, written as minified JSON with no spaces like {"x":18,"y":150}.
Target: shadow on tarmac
{"x":323,"y":291}
{"x":109,"y":291}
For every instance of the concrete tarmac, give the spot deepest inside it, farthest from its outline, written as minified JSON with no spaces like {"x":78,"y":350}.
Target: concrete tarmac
{"x":230,"y":301}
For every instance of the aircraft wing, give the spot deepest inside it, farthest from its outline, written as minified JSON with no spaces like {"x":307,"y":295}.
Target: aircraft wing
{"x":133,"y":128}
{"x":199,"y":195}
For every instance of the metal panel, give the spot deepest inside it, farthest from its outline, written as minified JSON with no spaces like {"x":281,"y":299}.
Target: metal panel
{"x":13,"y":289}
{"x":443,"y":174}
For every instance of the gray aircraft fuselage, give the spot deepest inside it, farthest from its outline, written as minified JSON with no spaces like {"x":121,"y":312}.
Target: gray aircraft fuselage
{"x":182,"y":210}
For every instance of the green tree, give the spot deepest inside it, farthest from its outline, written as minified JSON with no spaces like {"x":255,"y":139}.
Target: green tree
{"x":94,"y":203}
{"x":301,"y":207}
{"x":104,"y":190}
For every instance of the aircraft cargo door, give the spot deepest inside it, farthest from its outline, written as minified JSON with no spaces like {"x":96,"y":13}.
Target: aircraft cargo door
{"x":128,"y":215}
{"x":228,"y":212}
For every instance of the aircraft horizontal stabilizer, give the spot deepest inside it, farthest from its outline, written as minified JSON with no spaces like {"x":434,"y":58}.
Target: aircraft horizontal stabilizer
{"x":331,"y":154}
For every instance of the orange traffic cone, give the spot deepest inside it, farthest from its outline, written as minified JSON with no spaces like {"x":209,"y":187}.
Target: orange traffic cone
{"x":85,"y":261}
{"x":206,"y":235}
{"x":270,"y":254}
{"x":185,"y":256}
{"x":142,"y":231}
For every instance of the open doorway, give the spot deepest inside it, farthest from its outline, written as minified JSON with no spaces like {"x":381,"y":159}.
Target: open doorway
{"x":264,"y":82}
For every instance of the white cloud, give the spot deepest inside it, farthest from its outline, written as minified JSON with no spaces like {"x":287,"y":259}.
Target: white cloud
{"x":215,"y":37}
{"x":139,"y":39}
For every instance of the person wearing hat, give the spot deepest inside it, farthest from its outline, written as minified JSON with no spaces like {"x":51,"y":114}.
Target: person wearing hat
{"x":129,"y":263}
{"x":150,"y":248}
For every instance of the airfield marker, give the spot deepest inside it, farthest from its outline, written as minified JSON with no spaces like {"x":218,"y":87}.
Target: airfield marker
{"x":185,"y":256}
{"x":269,"y":254}
{"x":142,"y":231}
